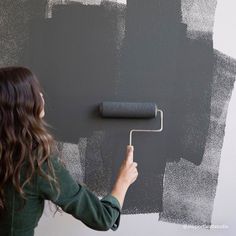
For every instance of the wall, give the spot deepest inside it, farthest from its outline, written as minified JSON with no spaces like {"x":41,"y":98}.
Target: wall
{"x":87,"y":54}
{"x":223,"y":218}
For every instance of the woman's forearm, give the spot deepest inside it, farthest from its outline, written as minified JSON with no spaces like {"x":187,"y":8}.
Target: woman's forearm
{"x":119,"y":191}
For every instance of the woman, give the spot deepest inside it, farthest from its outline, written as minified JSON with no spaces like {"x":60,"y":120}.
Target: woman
{"x":30,"y":171}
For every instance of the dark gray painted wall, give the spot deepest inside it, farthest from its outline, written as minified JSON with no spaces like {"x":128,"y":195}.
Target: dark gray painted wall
{"x":75,"y":54}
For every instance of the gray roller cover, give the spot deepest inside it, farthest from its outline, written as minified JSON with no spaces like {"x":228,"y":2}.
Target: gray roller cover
{"x":128,"y":109}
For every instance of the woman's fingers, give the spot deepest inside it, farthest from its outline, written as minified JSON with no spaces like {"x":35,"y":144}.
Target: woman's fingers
{"x":130,"y":154}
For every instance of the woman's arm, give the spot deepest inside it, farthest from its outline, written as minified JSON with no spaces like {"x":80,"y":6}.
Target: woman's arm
{"x":78,"y":201}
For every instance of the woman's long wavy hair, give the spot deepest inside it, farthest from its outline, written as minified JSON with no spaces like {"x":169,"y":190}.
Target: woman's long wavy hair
{"x":24,"y":139}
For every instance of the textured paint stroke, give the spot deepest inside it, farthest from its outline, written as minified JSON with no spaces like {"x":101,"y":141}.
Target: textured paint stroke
{"x":199,"y":17}
{"x":189,"y":190}
{"x":73,"y":156}
{"x":97,"y":164}
{"x":15,"y":18}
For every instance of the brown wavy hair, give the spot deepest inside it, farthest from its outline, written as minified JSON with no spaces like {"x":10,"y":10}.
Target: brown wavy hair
{"x":24,"y":138}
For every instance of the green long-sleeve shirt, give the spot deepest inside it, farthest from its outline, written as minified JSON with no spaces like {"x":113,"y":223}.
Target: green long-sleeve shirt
{"x":73,"y":198}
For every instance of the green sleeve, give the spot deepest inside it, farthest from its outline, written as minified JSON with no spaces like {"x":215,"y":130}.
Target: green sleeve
{"x":78,"y":201}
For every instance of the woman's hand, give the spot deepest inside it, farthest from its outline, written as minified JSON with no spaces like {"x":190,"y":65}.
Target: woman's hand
{"x":128,"y":171}
{"x":126,"y":176}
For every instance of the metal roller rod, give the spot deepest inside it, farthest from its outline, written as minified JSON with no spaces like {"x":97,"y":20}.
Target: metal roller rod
{"x":148,"y":130}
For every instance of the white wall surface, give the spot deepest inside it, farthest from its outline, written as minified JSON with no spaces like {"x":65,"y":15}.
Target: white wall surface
{"x":224,"y":214}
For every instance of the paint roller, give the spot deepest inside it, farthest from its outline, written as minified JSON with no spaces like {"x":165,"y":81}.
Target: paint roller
{"x":132,"y":110}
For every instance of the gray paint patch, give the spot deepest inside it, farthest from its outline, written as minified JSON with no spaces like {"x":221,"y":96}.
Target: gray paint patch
{"x":187,"y":197}
{"x":189,"y":190}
